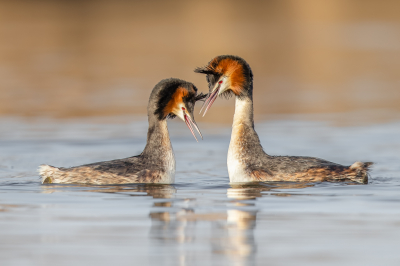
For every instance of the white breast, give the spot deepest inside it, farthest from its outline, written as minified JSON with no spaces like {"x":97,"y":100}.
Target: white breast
{"x":236,"y":165}
{"x":169,"y":176}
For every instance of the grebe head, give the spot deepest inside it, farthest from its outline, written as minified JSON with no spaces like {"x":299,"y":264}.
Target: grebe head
{"x":176,"y":98}
{"x":227,"y":75}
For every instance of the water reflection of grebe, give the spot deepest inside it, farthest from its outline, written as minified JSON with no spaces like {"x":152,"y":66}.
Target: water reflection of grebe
{"x":156,"y":164}
{"x":157,"y":191}
{"x":174,"y":229}
{"x":237,"y":239}
{"x":237,"y":235}
{"x":247,"y":162}
{"x":247,"y":191}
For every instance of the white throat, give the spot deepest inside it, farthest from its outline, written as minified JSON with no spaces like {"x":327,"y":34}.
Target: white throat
{"x":242,"y":120}
{"x":243,"y":111}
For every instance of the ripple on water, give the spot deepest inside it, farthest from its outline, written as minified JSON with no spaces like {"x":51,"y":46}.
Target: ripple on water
{"x":202,"y":219}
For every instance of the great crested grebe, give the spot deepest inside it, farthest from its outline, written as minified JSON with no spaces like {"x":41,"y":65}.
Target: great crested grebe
{"x":247,"y":161}
{"x":156,"y":164}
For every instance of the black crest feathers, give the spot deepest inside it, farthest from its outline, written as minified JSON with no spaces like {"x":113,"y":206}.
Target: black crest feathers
{"x":201,"y":97}
{"x":205,"y":70}
{"x":165,"y":94}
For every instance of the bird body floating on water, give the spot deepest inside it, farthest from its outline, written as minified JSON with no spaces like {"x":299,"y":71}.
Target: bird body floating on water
{"x":156,"y":164}
{"x":247,"y":162}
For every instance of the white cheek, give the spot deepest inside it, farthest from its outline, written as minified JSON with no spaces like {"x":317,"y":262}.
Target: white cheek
{"x":225,"y":85}
{"x":178,"y":111}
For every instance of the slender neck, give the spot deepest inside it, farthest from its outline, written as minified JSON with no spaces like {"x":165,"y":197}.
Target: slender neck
{"x":158,"y":142}
{"x":244,"y":138}
{"x":243,"y":112}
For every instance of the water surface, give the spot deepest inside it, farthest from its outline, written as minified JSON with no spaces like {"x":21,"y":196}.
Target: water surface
{"x":201,"y":219}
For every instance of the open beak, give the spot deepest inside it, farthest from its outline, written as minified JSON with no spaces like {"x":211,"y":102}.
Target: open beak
{"x":212,"y":96}
{"x":191,"y":123}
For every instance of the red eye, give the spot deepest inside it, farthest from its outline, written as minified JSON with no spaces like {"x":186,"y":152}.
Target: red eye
{"x":183,"y":108}
{"x":219,"y":82}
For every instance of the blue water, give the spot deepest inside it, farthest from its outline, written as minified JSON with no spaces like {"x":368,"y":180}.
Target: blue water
{"x":202,"y":219}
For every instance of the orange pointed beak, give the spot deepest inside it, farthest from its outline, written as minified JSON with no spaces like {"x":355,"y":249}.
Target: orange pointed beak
{"x":191,"y":123}
{"x":219,"y":87}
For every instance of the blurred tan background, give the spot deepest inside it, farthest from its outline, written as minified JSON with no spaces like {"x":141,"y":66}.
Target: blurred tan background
{"x":67,"y":58}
